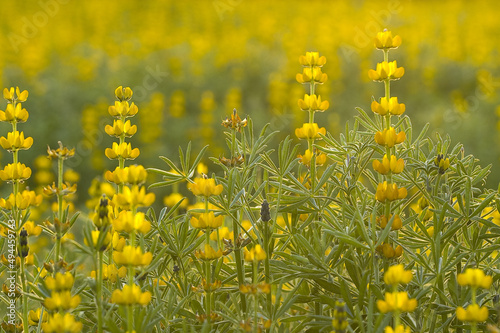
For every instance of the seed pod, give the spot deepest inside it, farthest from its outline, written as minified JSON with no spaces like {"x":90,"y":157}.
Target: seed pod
{"x":23,"y":243}
{"x":265,"y":212}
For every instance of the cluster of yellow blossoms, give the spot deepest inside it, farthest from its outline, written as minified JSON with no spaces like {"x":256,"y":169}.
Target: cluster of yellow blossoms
{"x":311,"y":75}
{"x":474,"y":278}
{"x":61,"y":301}
{"x":118,"y":221}
{"x":387,"y":191}
{"x":397,"y":301}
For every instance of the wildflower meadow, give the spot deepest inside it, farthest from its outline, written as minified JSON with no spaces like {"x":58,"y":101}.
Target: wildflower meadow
{"x":274,"y":167}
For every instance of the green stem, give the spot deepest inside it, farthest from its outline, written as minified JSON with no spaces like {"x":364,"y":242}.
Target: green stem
{"x":99,"y":291}
{"x":256,"y":298}
{"x":208,"y":275}
{"x":25,"y":297}
{"x":267,"y":268}
{"x":60,"y":196}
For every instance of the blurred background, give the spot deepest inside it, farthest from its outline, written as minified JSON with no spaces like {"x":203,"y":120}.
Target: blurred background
{"x":190,"y":63}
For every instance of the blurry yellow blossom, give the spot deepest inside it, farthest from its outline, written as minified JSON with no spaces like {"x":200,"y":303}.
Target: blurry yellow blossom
{"x":396,"y":223}
{"x":314,"y":75}
{"x":389,"y":138}
{"x":396,"y":301}
{"x":15,"y":172}
{"x":14,"y":114}
{"x":62,"y":323}
{"x":384,"y":40}
{"x":123,"y":109}
{"x":389,"y":252}
{"x":120,"y":128}
{"x":306,"y":158}
{"x":34,"y":317}
{"x":207,"y":220}
{"x":130,"y":295}
{"x":172,"y":199}
{"x":388,"y":191}
{"x":386,"y":70}
{"x":134,"y":196}
{"x":473,"y":313}
{"x":123,"y":150}
{"x":131,"y":256}
{"x":399,"y":329}
{"x":312,"y":59}
{"x":309,"y":131}
{"x":205,"y":187}
{"x":475,"y":278}
{"x":128,"y":222}
{"x":396,"y":274}
{"x":314,"y":103}
{"x":209,"y":253}
{"x":392,"y":106}
{"x":255,"y":253}
{"x":385,"y":166}
{"x":15,"y":141}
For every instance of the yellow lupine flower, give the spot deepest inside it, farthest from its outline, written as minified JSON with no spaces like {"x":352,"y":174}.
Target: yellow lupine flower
{"x":385,"y":166}
{"x":61,"y":282}
{"x":118,"y":242}
{"x":389,"y":138}
{"x":123,"y":150}
{"x":397,"y":301}
{"x":397,"y":274}
{"x":62,"y":301}
{"x":130,"y":295}
{"x":16,"y":141}
{"x":442,"y":163}
{"x":389,"y":252}
{"x":207,"y":220}
{"x":32,"y":228}
{"x":475,"y":278}
{"x":123,"y":109}
{"x":22,"y":200}
{"x":120,"y":128}
{"x":389,"y":192}
{"x":14,"y":114}
{"x":256,"y":253}
{"x":59,"y":323}
{"x":127,"y":221}
{"x":224,"y":233}
{"x":312,"y":75}
{"x":134,"y":174}
{"x":133,"y":196}
{"x":399,"y":329}
{"x":313,"y":102}
{"x":61,"y":152}
{"x":396,"y":223}
{"x":110,"y":272}
{"x":8,"y":94}
{"x":312,"y":59}
{"x":473,"y":313}
{"x":15,"y":172}
{"x":172,"y":199}
{"x":306,"y":158}
{"x":309,"y":131}
{"x":392,"y":106}
{"x":131,"y":256}
{"x":205,"y":187}
{"x":123,"y":94}
{"x":95,"y":234}
{"x":386,"y":71}
{"x":209,"y":253}
{"x":34,"y":317}
{"x":384,"y":40}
